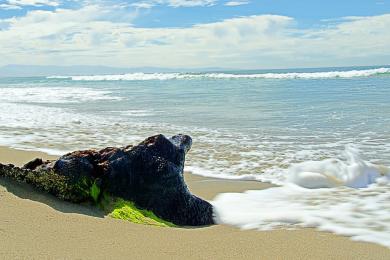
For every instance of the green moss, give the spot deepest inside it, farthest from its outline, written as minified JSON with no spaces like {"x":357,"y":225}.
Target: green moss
{"x":83,"y":186}
{"x":127,"y":210}
{"x":44,"y":180}
{"x":88,"y":189}
{"x":84,"y":190}
{"x":95,"y":192}
{"x":104,"y":201}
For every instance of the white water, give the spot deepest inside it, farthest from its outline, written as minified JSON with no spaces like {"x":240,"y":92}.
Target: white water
{"x":354,"y":172}
{"x":346,"y":196}
{"x":171,"y":76}
{"x":55,"y":95}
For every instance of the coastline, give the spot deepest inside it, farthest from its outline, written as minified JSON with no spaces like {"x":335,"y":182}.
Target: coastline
{"x":36,"y":225}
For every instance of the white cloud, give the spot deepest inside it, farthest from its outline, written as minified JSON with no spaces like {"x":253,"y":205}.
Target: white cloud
{"x":190,"y":3}
{"x":89,"y":36}
{"x":146,"y":4}
{"x":18,"y":4}
{"x":9,"y":7}
{"x":142,"y":5}
{"x":33,"y":2}
{"x":236,"y":3}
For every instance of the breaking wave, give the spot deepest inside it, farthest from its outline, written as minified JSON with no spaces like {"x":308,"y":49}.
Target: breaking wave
{"x":349,"y":197}
{"x":177,"y":76}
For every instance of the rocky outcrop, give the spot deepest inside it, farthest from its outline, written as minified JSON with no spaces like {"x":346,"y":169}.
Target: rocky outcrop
{"x":149,"y":174}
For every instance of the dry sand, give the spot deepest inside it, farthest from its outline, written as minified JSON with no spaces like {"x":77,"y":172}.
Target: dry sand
{"x":38,"y":226}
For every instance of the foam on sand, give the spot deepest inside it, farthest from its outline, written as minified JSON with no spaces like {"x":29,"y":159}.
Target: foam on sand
{"x":349,"y":197}
{"x":172,"y":76}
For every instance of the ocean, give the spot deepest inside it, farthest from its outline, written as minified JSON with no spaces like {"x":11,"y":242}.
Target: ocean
{"x":322,"y":135}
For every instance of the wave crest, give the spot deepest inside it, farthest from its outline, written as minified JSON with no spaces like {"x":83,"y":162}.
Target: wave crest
{"x":354,"y":172}
{"x":175,"y":76}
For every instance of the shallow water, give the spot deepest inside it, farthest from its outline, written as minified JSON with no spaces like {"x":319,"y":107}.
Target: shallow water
{"x":252,"y":125}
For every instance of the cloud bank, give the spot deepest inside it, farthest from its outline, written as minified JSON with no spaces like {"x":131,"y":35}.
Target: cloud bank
{"x":96,"y":35}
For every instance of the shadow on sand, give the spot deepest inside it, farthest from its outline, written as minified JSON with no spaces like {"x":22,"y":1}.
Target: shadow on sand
{"x":25,"y":191}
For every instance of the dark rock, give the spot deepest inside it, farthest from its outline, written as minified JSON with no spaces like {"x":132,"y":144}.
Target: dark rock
{"x":45,"y":180}
{"x":33,"y":164}
{"x":149,"y":174}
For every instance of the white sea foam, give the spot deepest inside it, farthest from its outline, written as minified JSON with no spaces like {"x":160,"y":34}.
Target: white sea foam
{"x":137,"y":113}
{"x":54,"y":94}
{"x":354,"y":172}
{"x":171,"y":76}
{"x":349,"y":197}
{"x":57,"y":77}
{"x":60,"y":130}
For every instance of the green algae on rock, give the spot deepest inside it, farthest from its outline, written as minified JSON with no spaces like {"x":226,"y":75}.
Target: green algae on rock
{"x":95,"y":192}
{"x":46,"y":181}
{"x":149,"y":174}
{"x":126,"y":210}
{"x":58,"y":185}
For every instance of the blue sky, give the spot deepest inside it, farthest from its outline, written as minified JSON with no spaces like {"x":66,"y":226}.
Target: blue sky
{"x":307,"y":12}
{"x":195,"y":33}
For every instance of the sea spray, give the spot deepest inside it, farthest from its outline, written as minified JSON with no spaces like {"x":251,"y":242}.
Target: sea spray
{"x":354,"y":172}
{"x":349,"y":197}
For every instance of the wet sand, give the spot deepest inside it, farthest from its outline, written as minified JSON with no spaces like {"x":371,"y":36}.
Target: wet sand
{"x":34,"y":225}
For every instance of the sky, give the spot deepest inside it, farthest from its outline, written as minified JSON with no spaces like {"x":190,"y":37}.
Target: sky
{"x":234,"y":34}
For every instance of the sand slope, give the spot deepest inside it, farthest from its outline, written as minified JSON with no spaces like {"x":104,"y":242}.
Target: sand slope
{"x":37,"y":226}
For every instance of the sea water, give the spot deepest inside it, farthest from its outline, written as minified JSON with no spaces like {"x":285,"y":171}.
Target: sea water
{"x":322,"y":135}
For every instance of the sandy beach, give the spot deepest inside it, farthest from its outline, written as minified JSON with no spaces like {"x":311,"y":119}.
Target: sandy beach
{"x":34,"y":225}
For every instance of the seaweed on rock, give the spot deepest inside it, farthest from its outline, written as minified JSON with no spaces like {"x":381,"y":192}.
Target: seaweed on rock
{"x":45,"y":180}
{"x":127,"y":210}
{"x":149,"y":177}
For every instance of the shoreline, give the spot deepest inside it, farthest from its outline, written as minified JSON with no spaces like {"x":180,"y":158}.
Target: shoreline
{"x":37,"y":225}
